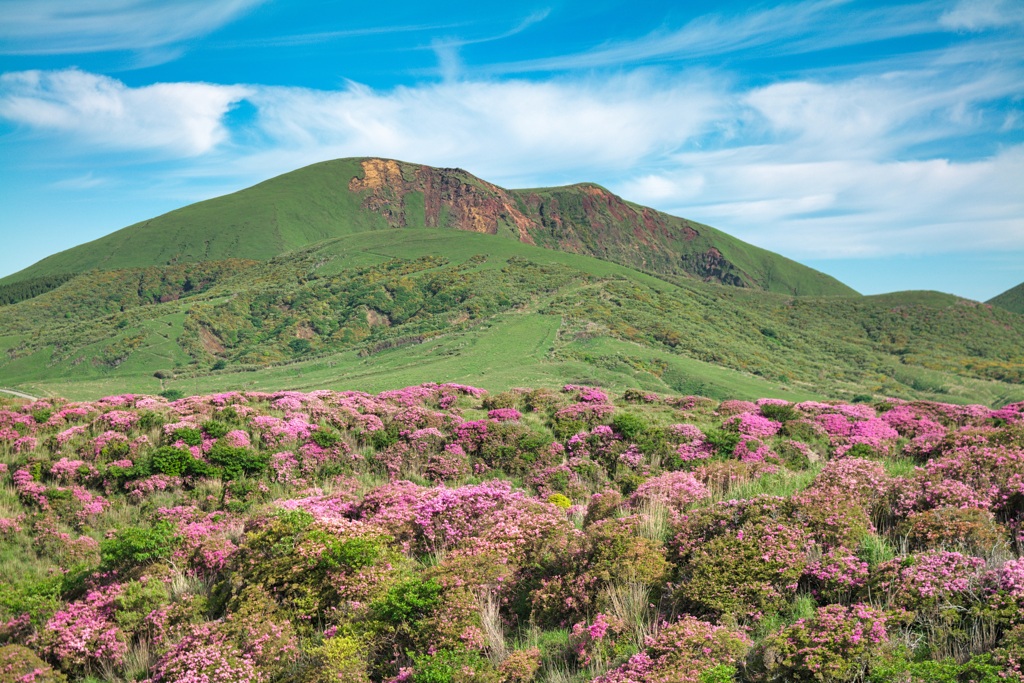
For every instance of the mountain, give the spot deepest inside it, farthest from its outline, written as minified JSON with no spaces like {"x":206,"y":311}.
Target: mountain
{"x":350,"y":196}
{"x":388,"y":308}
{"x":1012,"y":299}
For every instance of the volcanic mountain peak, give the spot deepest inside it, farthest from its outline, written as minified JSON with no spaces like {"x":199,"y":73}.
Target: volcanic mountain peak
{"x":347,"y":196}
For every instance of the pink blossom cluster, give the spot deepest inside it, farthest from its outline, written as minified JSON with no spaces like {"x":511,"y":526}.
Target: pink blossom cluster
{"x":680,"y":653}
{"x":735,"y":407}
{"x":677,"y":490}
{"x":504,"y":415}
{"x":753,"y":425}
{"x":119,"y":420}
{"x":84,"y":632}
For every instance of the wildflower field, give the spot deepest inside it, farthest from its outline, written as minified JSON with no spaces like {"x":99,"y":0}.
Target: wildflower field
{"x":440,"y":533}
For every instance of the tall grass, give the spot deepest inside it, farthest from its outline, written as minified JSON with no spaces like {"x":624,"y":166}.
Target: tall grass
{"x":630,"y":602}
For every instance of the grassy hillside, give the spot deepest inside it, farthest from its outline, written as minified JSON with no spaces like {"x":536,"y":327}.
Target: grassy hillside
{"x":350,"y":196}
{"x":385,"y":309}
{"x":1012,"y":299}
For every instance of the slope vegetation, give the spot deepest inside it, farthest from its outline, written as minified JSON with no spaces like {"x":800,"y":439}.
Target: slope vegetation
{"x":1012,"y":299}
{"x":351,"y":196}
{"x":388,"y":308}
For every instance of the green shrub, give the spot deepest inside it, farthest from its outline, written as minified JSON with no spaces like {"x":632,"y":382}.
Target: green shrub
{"x":408,"y":601}
{"x":630,"y":426}
{"x":137,"y":601}
{"x":215,"y":428}
{"x":136,"y":545}
{"x":171,"y":461}
{"x":190,"y":435}
{"x":453,"y":666}
{"x":383,"y":438}
{"x":236,"y":461}
{"x":779,"y":412}
{"x":341,"y":658}
{"x":18,"y":663}
{"x":722,"y":673}
{"x":724,"y":442}
{"x":325,"y":438}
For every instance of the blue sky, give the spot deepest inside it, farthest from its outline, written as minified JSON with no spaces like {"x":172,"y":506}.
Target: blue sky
{"x":881,"y":143}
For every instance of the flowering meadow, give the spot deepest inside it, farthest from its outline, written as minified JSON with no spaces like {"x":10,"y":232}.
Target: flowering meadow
{"x":440,"y":533}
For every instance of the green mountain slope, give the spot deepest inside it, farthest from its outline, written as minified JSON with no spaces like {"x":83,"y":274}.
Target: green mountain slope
{"x":1012,"y":299}
{"x":383,"y":309}
{"x":351,"y":196}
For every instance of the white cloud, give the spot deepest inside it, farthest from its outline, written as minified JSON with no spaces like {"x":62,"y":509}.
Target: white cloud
{"x":808,"y":168}
{"x":181,"y":119}
{"x":874,"y":116}
{"x":855,"y":207}
{"x":978,"y":15}
{"x":37,"y":27}
{"x":498,"y":129}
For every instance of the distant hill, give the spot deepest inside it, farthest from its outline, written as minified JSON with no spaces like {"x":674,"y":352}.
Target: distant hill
{"x":350,"y":196}
{"x":1012,"y":299}
{"x":388,"y":308}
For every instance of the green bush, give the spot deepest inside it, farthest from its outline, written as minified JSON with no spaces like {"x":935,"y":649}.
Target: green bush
{"x":190,"y":435}
{"x":137,"y":601}
{"x":453,"y":666}
{"x":779,"y":412}
{"x":215,"y":428}
{"x":325,"y":438}
{"x":408,"y":600}
{"x":171,"y":461}
{"x":724,"y":442}
{"x":630,"y":426}
{"x":237,"y":461}
{"x":137,"y":545}
{"x":383,"y":438}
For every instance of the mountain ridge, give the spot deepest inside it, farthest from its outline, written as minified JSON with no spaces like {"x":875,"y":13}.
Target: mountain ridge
{"x":346,"y":196}
{"x":1011,"y":300}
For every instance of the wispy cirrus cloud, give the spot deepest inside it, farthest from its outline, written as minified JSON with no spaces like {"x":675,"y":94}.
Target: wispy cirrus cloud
{"x":788,"y":28}
{"x":292,"y":40}
{"x":49,"y":27}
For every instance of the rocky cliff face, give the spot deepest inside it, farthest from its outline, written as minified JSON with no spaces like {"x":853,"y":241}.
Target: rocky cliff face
{"x":583,"y":219}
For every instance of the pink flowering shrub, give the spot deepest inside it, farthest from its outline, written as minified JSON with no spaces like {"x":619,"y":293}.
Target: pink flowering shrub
{"x":504,"y":415}
{"x":594,"y":642}
{"x":451,"y":464}
{"x":838,"y":644}
{"x":740,"y":558}
{"x":120,"y":420}
{"x":84,"y":634}
{"x":18,"y":664}
{"x":753,"y":425}
{"x":680,"y":653}
{"x":834,"y":516}
{"x":969,"y":530}
{"x":677,"y":490}
{"x":838,"y":577}
{"x":579,"y":417}
{"x":207,"y":655}
{"x":324,"y":536}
